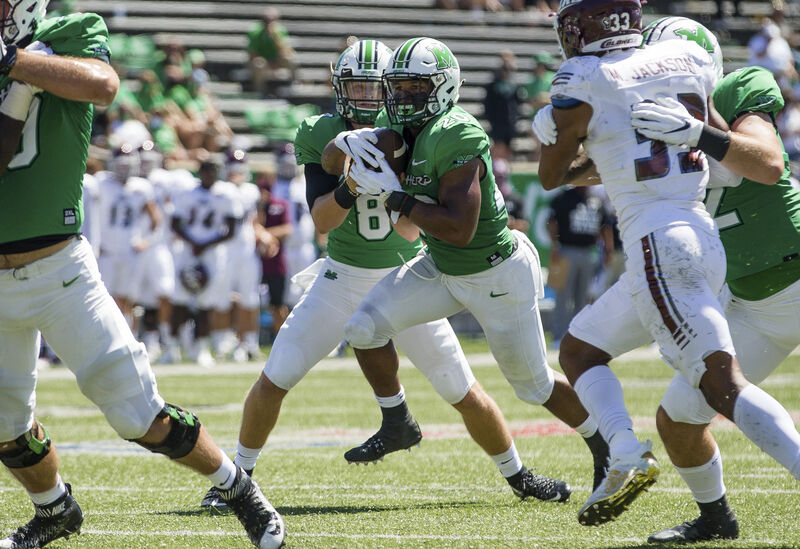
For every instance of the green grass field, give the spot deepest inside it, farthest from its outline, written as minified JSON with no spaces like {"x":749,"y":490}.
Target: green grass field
{"x":446,"y":493}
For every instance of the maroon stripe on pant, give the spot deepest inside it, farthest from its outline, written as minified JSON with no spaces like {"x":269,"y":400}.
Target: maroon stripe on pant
{"x":660,"y":294}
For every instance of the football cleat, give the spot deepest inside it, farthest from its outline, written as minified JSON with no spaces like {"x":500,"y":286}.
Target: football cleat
{"x":263,"y":524}
{"x":391,"y":437}
{"x":704,"y":528}
{"x":543,"y":488}
{"x":59,"y":519}
{"x":628,"y":476}
{"x":213,"y":502}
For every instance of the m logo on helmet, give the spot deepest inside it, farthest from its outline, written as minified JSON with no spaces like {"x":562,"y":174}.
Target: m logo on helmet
{"x":698,"y":36}
{"x":444,"y":57}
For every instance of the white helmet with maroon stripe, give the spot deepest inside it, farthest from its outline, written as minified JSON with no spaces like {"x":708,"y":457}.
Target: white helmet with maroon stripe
{"x":19,"y":18}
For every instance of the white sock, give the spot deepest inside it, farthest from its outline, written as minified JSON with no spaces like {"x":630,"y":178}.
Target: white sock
{"x":251,"y":341}
{"x":601,"y":394}
{"x":587,"y":428}
{"x":223,"y":477}
{"x":705,"y":481}
{"x":392,"y":401}
{"x":217,"y":336}
{"x":246,"y":457}
{"x":508,"y":462}
{"x":49,"y":496}
{"x":765,"y":422}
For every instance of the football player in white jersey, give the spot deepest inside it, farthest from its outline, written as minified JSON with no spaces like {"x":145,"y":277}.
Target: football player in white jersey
{"x":128,"y":215}
{"x":203,"y":218}
{"x":675,"y":260}
{"x":244,"y":265}
{"x":155,"y":272}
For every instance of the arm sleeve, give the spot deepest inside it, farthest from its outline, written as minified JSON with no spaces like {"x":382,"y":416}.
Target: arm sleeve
{"x":318,"y":182}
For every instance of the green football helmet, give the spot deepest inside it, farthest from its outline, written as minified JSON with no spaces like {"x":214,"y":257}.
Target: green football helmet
{"x":356,"y":79}
{"x":683,"y":28}
{"x":421,"y":82}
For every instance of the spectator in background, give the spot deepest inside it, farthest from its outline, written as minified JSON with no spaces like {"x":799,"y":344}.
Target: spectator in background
{"x":721,"y":12}
{"x":769,"y":49}
{"x":501,"y":105}
{"x":269,"y":50}
{"x":574,"y":226}
{"x":272,"y":230}
{"x":788,"y":122}
{"x":537,"y":89}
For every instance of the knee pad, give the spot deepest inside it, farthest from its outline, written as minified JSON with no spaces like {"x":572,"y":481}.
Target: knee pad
{"x":182,"y":436}
{"x":537,"y":393}
{"x":685,"y":404}
{"x":367,"y":330}
{"x":150,"y":320}
{"x":29,"y":451}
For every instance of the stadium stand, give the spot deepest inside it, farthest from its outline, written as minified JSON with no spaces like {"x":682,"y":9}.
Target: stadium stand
{"x":318,"y":29}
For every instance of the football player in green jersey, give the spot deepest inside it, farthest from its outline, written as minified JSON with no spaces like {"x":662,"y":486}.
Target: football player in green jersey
{"x":363,"y":247}
{"x":472,"y":260}
{"x":758,"y":213}
{"x":50,"y":283}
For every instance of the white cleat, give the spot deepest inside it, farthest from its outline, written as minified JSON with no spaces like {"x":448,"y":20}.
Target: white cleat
{"x":628,"y":476}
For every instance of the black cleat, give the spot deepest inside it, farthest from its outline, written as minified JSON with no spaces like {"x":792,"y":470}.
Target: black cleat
{"x":263,"y":524}
{"x":703,"y":528}
{"x":391,"y":437}
{"x":59,"y":519}
{"x":544,"y":488}
{"x":213,"y":502}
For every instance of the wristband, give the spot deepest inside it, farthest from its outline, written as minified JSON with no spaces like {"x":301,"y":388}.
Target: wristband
{"x":344,"y":197}
{"x":9,"y":59}
{"x":714,"y":142}
{"x":17,"y":101}
{"x":401,"y":202}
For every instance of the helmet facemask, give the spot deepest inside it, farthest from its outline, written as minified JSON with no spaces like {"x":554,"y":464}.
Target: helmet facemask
{"x":18,"y":18}
{"x":359,"y":98}
{"x":410,"y":98}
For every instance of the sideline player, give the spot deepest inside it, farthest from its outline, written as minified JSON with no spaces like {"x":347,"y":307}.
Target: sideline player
{"x":363,"y":248}
{"x":49,"y":282}
{"x":472,"y":261}
{"x":674,"y":255}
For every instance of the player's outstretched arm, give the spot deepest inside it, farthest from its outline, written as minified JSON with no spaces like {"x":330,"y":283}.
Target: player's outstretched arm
{"x":73,"y":78}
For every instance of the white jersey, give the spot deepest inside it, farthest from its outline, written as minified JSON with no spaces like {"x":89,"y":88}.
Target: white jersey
{"x":122,"y":215}
{"x":204,"y":211}
{"x":651,"y":185}
{"x":248,"y":196}
{"x":91,"y":212}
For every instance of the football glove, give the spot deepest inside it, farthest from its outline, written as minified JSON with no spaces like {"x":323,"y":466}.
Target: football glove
{"x":360,"y":146}
{"x":375,"y":183}
{"x":667,"y":121}
{"x":544,"y":126}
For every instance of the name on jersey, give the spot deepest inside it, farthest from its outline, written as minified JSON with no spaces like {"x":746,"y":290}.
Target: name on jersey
{"x":654,"y":68}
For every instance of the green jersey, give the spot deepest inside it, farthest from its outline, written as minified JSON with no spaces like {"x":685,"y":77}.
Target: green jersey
{"x":759,"y":224}
{"x":365,"y":238}
{"x":446,"y":142}
{"x":42,"y":186}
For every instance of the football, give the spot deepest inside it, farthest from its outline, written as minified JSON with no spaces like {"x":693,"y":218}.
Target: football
{"x":394,"y":148}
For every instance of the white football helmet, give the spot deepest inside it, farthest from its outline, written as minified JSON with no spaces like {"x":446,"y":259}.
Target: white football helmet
{"x":19,"y":18}
{"x":430,"y":65}
{"x":356,"y":79}
{"x":683,"y":28}
{"x":124,"y":162}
